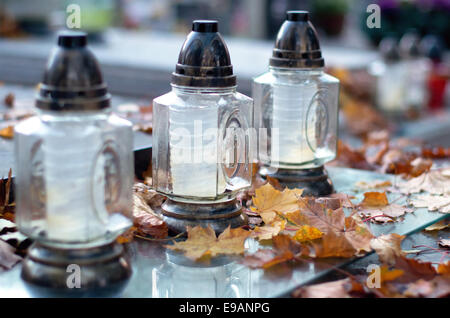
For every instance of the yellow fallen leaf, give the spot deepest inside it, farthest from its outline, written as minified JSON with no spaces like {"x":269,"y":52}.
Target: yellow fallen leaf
{"x":7,"y":132}
{"x":203,"y":242}
{"x":375,"y":199}
{"x":307,"y":233}
{"x":269,"y":201}
{"x":268,"y":231}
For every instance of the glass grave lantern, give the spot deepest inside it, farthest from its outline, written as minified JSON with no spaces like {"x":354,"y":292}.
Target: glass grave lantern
{"x":201,"y":140}
{"x":417,"y":70}
{"x":390,"y":79}
{"x":74,"y":176}
{"x":296,"y":110}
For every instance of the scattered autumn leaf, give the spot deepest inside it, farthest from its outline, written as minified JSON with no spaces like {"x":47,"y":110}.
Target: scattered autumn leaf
{"x":268,"y":231}
{"x":432,"y":202}
{"x":343,"y":236}
{"x":436,"y":288}
{"x":330,"y":245}
{"x":388,"y":247}
{"x":376,"y":184}
{"x":434,"y":182}
{"x":284,"y":249}
{"x":444,"y":243}
{"x":7,"y":132}
{"x":9,"y":100}
{"x":343,"y":288}
{"x":443,"y":224}
{"x":269,"y":202}
{"x":375,"y":199}
{"x":376,"y":207}
{"x":307,"y":233}
{"x":145,"y":219}
{"x":203,"y":242}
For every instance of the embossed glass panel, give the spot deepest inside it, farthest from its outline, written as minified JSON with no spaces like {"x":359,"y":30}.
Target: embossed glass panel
{"x":81,"y":177}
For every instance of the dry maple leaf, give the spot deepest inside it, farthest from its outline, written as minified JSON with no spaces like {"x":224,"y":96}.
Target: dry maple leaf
{"x":343,"y":236}
{"x":268,"y":231}
{"x":283,"y":249}
{"x":376,"y":207}
{"x":330,"y":245}
{"x":307,"y":233}
{"x":266,"y":258}
{"x":269,"y":202}
{"x":414,"y":269}
{"x":434,"y":182}
{"x":203,"y":242}
{"x":375,"y":199}
{"x":388,"y":247}
{"x":432,"y":202}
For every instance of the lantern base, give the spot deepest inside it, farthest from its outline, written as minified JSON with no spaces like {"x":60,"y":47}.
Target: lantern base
{"x":92,"y":272}
{"x":314,"y":181}
{"x":219,"y":216}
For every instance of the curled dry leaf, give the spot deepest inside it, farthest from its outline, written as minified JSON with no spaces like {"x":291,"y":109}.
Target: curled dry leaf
{"x":432,"y":202}
{"x":388,"y":247}
{"x":145,"y":219}
{"x":202,"y":242}
{"x":434,"y":182}
{"x":443,"y":224}
{"x":444,"y":243}
{"x":376,"y":184}
{"x":376,"y":206}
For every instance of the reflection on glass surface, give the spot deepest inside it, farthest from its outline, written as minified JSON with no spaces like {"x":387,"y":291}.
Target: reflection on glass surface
{"x":181,"y":280}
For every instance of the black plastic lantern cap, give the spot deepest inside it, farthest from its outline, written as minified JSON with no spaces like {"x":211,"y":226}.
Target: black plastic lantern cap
{"x":72,"y":39}
{"x":204,"y":60}
{"x":297,"y":44}
{"x":72,"y":79}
